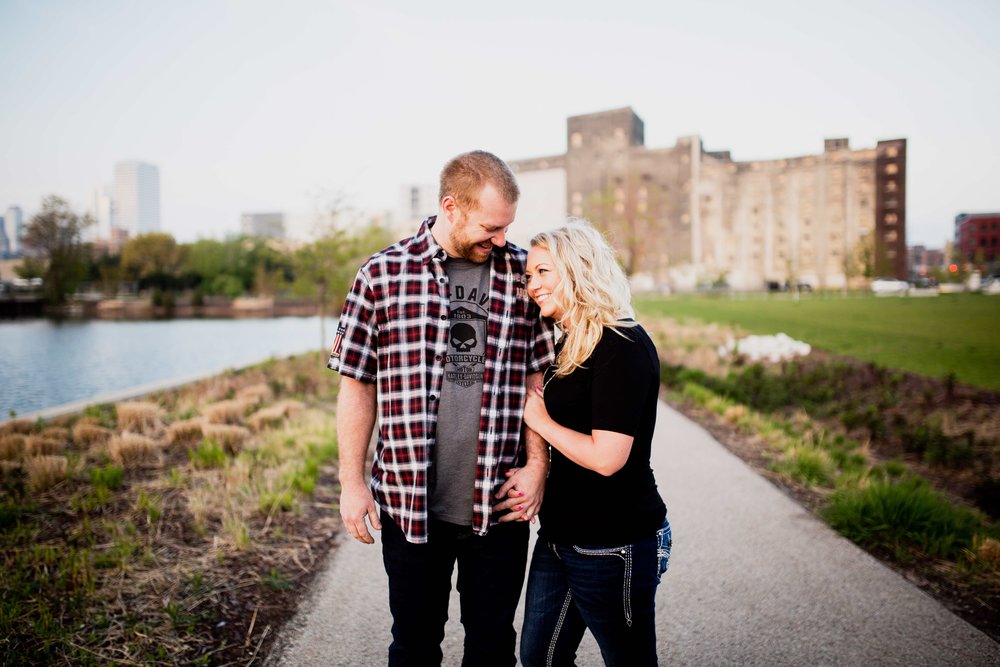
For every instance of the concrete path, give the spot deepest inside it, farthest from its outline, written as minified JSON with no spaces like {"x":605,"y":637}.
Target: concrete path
{"x":754,"y":580}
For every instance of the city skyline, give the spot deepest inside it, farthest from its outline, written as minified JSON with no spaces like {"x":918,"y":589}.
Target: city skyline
{"x":244,"y":108}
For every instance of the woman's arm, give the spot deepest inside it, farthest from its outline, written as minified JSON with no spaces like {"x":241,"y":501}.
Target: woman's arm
{"x":604,"y":452}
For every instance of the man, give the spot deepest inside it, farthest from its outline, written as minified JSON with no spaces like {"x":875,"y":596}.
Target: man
{"x":439,"y":339}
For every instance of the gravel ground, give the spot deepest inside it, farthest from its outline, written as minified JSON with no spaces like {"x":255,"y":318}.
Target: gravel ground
{"x":754,"y":579}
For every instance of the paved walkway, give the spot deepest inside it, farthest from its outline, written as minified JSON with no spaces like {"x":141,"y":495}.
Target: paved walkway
{"x":754,"y":579}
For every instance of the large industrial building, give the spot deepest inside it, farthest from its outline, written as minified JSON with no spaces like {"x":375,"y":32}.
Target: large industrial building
{"x":682,"y":216}
{"x":136,"y":197}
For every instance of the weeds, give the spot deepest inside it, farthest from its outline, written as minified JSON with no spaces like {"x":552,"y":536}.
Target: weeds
{"x":139,"y":416}
{"x":906,"y":518}
{"x":208,"y":454}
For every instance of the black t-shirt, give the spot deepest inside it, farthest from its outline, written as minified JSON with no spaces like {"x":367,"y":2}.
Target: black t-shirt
{"x":616,"y":390}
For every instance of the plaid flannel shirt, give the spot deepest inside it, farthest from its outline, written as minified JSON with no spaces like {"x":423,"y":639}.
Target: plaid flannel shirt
{"x":393,"y":331}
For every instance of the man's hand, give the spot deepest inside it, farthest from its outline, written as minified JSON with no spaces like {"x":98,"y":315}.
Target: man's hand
{"x":523,"y":492}
{"x":356,"y":505}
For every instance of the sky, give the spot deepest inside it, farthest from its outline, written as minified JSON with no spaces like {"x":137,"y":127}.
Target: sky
{"x":247,"y":105}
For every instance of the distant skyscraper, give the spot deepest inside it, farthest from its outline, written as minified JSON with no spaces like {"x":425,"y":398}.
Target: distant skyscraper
{"x":14,"y":220}
{"x":102,"y":208}
{"x":137,"y":197}
{"x":4,"y":243}
{"x":270,"y":225}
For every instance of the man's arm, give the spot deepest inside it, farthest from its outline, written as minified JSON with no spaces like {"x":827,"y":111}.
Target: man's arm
{"x":525,"y":487}
{"x":356,"y":408}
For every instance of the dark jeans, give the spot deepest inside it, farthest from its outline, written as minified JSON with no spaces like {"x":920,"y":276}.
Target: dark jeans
{"x":610,"y":590}
{"x":490,"y":575}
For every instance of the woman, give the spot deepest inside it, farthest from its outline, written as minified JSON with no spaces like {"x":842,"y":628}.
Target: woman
{"x":604,"y":540}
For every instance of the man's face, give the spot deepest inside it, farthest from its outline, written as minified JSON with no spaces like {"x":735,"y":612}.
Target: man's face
{"x":474,"y":233}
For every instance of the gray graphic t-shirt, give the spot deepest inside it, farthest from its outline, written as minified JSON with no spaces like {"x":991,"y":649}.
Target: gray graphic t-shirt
{"x":453,"y":478}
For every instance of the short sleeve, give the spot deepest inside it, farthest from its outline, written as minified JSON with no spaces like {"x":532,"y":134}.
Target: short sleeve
{"x":621,"y":384}
{"x":354,"y":352}
{"x":543,"y":344}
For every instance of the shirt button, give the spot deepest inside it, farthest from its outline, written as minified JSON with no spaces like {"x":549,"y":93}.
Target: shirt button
{"x":437,"y":357}
{"x":444,"y":317}
{"x":433,"y":397}
{"x":441,"y":280}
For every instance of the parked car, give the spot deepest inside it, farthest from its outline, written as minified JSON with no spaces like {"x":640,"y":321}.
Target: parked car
{"x":889,"y":286}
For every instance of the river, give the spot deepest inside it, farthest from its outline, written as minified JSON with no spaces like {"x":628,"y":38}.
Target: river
{"x":45,"y":364}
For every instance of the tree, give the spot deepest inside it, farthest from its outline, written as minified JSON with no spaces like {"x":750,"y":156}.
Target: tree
{"x":154,"y":259}
{"x":326,"y":268}
{"x":56,"y":234}
{"x":631,"y":212}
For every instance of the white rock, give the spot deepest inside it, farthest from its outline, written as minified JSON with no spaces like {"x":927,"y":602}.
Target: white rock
{"x":772,"y":348}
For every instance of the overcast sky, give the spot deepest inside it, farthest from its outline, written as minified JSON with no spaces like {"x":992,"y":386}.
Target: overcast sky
{"x":256,"y":106}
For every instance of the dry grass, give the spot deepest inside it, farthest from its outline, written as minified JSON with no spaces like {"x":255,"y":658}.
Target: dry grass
{"x":39,"y":445}
{"x":266,"y":418}
{"x":255,"y":394}
{"x":55,"y":433}
{"x":88,"y":434}
{"x":131,"y":449}
{"x":139,"y":416}
{"x":230,"y":437}
{"x":275,"y":415}
{"x":986,"y":550}
{"x":11,"y":446}
{"x":45,"y":472}
{"x":225,"y":412}
{"x":22,"y":426}
{"x":185,"y":431}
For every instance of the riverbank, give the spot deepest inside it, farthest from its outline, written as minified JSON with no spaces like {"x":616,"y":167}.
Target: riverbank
{"x":179,"y":529}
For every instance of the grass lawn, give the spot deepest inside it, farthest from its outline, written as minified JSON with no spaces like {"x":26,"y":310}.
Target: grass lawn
{"x":958,"y":333}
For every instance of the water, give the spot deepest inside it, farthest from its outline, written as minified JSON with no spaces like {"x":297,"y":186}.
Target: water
{"x":44,"y":363}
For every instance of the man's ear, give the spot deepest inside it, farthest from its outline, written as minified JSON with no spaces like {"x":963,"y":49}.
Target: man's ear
{"x":450,"y":207}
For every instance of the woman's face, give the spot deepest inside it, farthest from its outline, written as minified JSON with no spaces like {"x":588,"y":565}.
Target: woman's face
{"x":543,"y":277}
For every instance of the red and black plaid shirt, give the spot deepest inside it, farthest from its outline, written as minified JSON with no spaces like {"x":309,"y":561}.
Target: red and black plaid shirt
{"x":393,"y":331}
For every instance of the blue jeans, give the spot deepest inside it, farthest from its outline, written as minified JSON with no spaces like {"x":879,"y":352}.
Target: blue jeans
{"x":490,"y":575}
{"x":609,"y":590}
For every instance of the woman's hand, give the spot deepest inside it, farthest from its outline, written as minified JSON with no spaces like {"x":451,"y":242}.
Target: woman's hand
{"x":522,"y":492}
{"x":536,"y":416}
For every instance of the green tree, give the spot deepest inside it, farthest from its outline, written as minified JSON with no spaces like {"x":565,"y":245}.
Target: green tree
{"x":56,"y":236}
{"x":325,"y":269}
{"x":154,"y":259}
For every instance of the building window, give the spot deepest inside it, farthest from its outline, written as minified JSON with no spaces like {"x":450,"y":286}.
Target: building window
{"x":891,"y":218}
{"x":892,"y":151}
{"x":890,"y":237}
{"x":890,"y":186}
{"x":892,"y":168}
{"x":619,"y":133}
{"x":576,"y":140}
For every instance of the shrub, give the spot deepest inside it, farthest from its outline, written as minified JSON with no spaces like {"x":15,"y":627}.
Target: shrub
{"x":88,"y":434}
{"x":11,"y":446}
{"x":904,"y":517}
{"x":45,"y":471}
{"x":225,"y":412}
{"x":185,"y":431}
{"x":139,"y":416}
{"x":22,"y":426}
{"x":230,"y":437}
{"x":36,"y":445}
{"x":131,"y":449}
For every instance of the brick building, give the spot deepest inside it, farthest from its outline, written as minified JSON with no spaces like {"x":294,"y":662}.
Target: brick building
{"x":976,"y":236}
{"x":682,"y":215}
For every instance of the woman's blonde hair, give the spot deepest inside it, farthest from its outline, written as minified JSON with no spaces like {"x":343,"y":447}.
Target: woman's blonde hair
{"x":593,"y":290}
